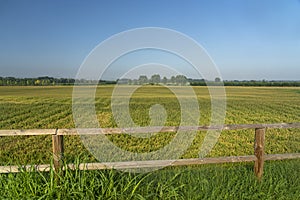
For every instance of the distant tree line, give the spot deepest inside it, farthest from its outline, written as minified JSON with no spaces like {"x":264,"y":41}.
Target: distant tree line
{"x":154,"y":80}
{"x":263,"y":83}
{"x":47,"y":81}
{"x":143,"y":80}
{"x":257,"y":83}
{"x":182,"y":80}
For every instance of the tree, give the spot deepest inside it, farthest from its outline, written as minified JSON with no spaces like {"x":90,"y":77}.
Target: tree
{"x":173,"y":79}
{"x":164,"y":80}
{"x":155,"y":78}
{"x":143,"y":80}
{"x":37,"y":82}
{"x":181,"y":80}
{"x":45,"y":81}
{"x":217,"y":80}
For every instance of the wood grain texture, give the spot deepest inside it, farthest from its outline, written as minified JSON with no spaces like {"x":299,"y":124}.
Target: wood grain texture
{"x":259,"y":144}
{"x":152,"y":163}
{"x":160,"y":129}
{"x":27,"y":132}
{"x":58,"y":152}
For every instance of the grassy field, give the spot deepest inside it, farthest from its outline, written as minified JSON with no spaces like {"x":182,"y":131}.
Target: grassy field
{"x":281,"y":180}
{"x":51,"y":107}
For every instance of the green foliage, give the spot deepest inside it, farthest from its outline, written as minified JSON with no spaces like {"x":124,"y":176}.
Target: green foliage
{"x":251,"y":83}
{"x":143,"y":79}
{"x":155,"y":79}
{"x":48,"y":81}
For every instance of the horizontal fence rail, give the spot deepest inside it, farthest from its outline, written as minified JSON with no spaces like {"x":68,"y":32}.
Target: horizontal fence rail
{"x":58,"y":147}
{"x":149,"y":164}
{"x":159,"y":129}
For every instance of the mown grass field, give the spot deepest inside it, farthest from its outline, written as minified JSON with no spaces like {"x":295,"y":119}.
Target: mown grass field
{"x":51,"y":107}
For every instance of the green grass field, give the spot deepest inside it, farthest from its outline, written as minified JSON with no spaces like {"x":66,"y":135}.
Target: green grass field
{"x":51,"y":107}
{"x":281,"y":180}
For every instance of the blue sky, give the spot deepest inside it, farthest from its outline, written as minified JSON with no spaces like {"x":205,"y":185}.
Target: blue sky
{"x":247,"y":39}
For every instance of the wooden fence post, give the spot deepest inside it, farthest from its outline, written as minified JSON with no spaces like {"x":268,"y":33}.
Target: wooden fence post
{"x":58,"y":152}
{"x":259,"y":144}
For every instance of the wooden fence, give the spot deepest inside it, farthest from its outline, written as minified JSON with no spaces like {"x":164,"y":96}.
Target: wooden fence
{"x":58,"y":147}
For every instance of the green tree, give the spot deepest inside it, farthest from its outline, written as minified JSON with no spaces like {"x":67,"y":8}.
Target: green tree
{"x":155,"y":78}
{"x":173,"y":79}
{"x":217,"y":80}
{"x":143,"y":79}
{"x":181,"y":80}
{"x":164,"y":80}
{"x":37,"y":82}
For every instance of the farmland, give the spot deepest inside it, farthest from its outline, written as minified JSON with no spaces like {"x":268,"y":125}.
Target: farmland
{"x":51,"y":107}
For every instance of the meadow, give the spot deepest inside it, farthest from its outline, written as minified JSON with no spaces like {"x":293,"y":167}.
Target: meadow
{"x":51,"y":107}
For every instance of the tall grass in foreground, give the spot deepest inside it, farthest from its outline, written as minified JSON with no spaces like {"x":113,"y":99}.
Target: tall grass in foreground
{"x":281,"y":180}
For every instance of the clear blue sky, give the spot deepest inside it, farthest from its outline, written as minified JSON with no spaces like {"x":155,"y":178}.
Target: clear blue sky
{"x":247,"y":39}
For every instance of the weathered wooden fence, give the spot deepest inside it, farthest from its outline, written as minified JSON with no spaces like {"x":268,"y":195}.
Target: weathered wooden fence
{"x":58,"y":147}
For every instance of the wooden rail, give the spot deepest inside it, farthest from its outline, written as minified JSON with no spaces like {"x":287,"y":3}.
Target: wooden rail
{"x":152,"y":163}
{"x":58,"y":147}
{"x":160,"y":129}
